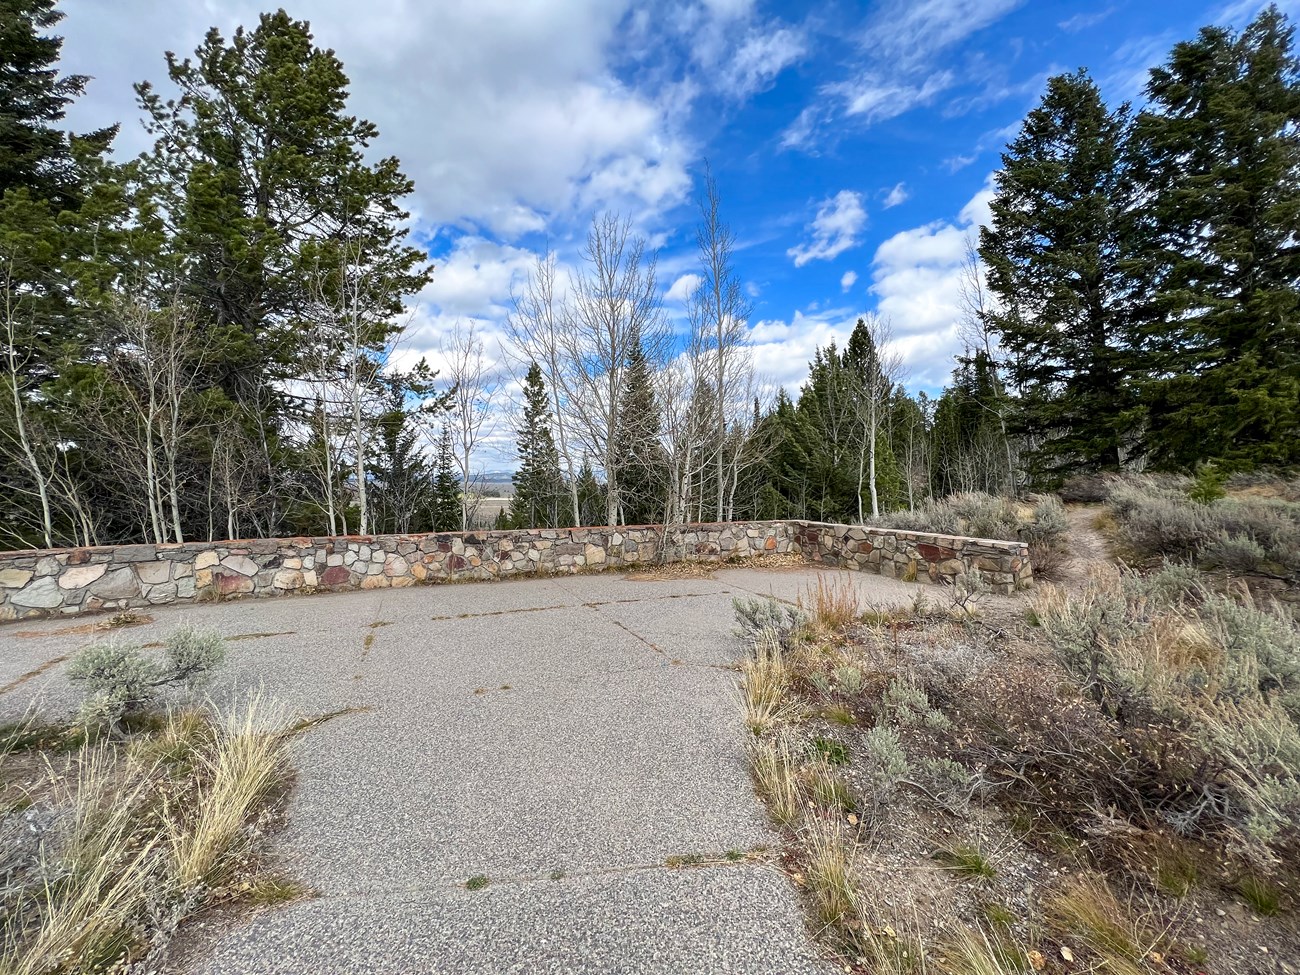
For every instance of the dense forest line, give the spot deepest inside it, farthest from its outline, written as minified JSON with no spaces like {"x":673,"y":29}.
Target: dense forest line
{"x":199,"y":342}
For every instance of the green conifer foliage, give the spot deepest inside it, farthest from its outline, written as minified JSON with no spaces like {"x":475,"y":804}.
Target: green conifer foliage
{"x":1055,"y":256}
{"x":1218,"y":152}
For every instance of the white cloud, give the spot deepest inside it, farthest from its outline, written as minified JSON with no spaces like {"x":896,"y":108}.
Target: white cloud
{"x":901,"y":47}
{"x":916,"y":278}
{"x":763,"y":55}
{"x":782,"y":350}
{"x":954,"y":163}
{"x":879,"y":97}
{"x":908,"y":33}
{"x":896,"y":196}
{"x":683,"y":287}
{"x":800,"y":133}
{"x":509,"y":117}
{"x":848,"y":279}
{"x":836,"y":228}
{"x":1082,"y":21}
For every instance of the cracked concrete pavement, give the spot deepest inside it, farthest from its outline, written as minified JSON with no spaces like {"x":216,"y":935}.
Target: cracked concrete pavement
{"x":563,"y":737}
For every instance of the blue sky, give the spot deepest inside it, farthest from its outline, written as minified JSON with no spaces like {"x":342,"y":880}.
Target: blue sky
{"x":853,"y":142}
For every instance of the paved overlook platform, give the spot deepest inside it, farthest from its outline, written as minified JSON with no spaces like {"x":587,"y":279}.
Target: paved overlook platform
{"x":584,"y":725}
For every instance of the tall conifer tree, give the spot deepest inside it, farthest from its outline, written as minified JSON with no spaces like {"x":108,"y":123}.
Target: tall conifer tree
{"x":1055,"y":255}
{"x":539,"y":487}
{"x":1218,"y":151}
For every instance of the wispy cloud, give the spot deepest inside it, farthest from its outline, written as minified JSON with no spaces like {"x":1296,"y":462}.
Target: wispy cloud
{"x":847,"y":280}
{"x":897,"y":196}
{"x":877,"y":97}
{"x":1082,"y":21}
{"x":837,"y":226}
{"x":763,"y":55}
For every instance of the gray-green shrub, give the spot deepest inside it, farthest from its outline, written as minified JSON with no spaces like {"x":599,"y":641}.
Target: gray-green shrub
{"x":119,"y":677}
{"x":754,"y":615}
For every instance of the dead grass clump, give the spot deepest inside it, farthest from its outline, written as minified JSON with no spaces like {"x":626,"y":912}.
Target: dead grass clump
{"x":133,"y":835}
{"x":976,"y":951}
{"x":831,"y":884}
{"x":833,"y":605}
{"x":775,"y":770}
{"x":765,"y":684}
{"x":1086,"y":914}
{"x":826,"y":787}
{"x":237,"y":776}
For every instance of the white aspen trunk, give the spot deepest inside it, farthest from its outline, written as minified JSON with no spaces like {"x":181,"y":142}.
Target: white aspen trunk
{"x":20,"y":421}
{"x":29,"y":455}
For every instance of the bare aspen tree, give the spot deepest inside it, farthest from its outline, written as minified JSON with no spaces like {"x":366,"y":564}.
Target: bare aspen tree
{"x":473,"y":387}
{"x":718,"y":312}
{"x":976,"y":304}
{"x":614,"y":306}
{"x":876,"y":386}
{"x":350,"y":315}
{"x":535,"y":327}
{"x":153,"y":370}
{"x":685,"y":433}
{"x":16,"y":363}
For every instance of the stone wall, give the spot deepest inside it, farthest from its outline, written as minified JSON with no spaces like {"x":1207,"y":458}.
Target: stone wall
{"x":87,"y":580}
{"x":915,"y":556}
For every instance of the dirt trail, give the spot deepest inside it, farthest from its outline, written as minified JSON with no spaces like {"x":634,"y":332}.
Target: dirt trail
{"x":1088,"y":546}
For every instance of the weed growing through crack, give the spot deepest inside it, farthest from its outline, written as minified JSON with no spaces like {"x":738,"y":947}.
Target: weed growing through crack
{"x":269,"y":889}
{"x":477,"y":882}
{"x":155,"y":821}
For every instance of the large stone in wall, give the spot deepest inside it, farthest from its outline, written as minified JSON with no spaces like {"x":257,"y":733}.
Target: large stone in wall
{"x":117,"y":584}
{"x":82,"y":575}
{"x":15,"y":578}
{"x":241,"y":564}
{"x":41,"y":594}
{"x":154,"y":573}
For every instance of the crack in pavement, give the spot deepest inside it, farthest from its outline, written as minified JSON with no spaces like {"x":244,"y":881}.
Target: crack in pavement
{"x":22,"y":679}
{"x":766,"y":859}
{"x":588,"y":605}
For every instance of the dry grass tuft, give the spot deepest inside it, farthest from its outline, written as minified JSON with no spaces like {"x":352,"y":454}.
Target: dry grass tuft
{"x":765,"y":684}
{"x":241,"y":772}
{"x":973,"y":951}
{"x":1087,"y":910}
{"x":775,"y":770}
{"x":833,"y":605}
{"x":829,"y":874}
{"x":135,"y":835}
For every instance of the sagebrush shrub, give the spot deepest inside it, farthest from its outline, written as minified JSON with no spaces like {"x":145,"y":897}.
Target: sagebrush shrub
{"x":754,"y":615}
{"x":1042,"y":523}
{"x":1236,"y":553}
{"x":119,"y":677}
{"x":1252,"y":534}
{"x":1174,"y":662}
{"x":887,"y":763}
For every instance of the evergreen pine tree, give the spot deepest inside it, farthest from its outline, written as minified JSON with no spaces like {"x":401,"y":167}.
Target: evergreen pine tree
{"x":642,"y":483}
{"x":1055,"y":254}
{"x":446,"y":488}
{"x":591,"y":495}
{"x":35,"y":153}
{"x":1218,"y":152}
{"x":539,"y":486}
